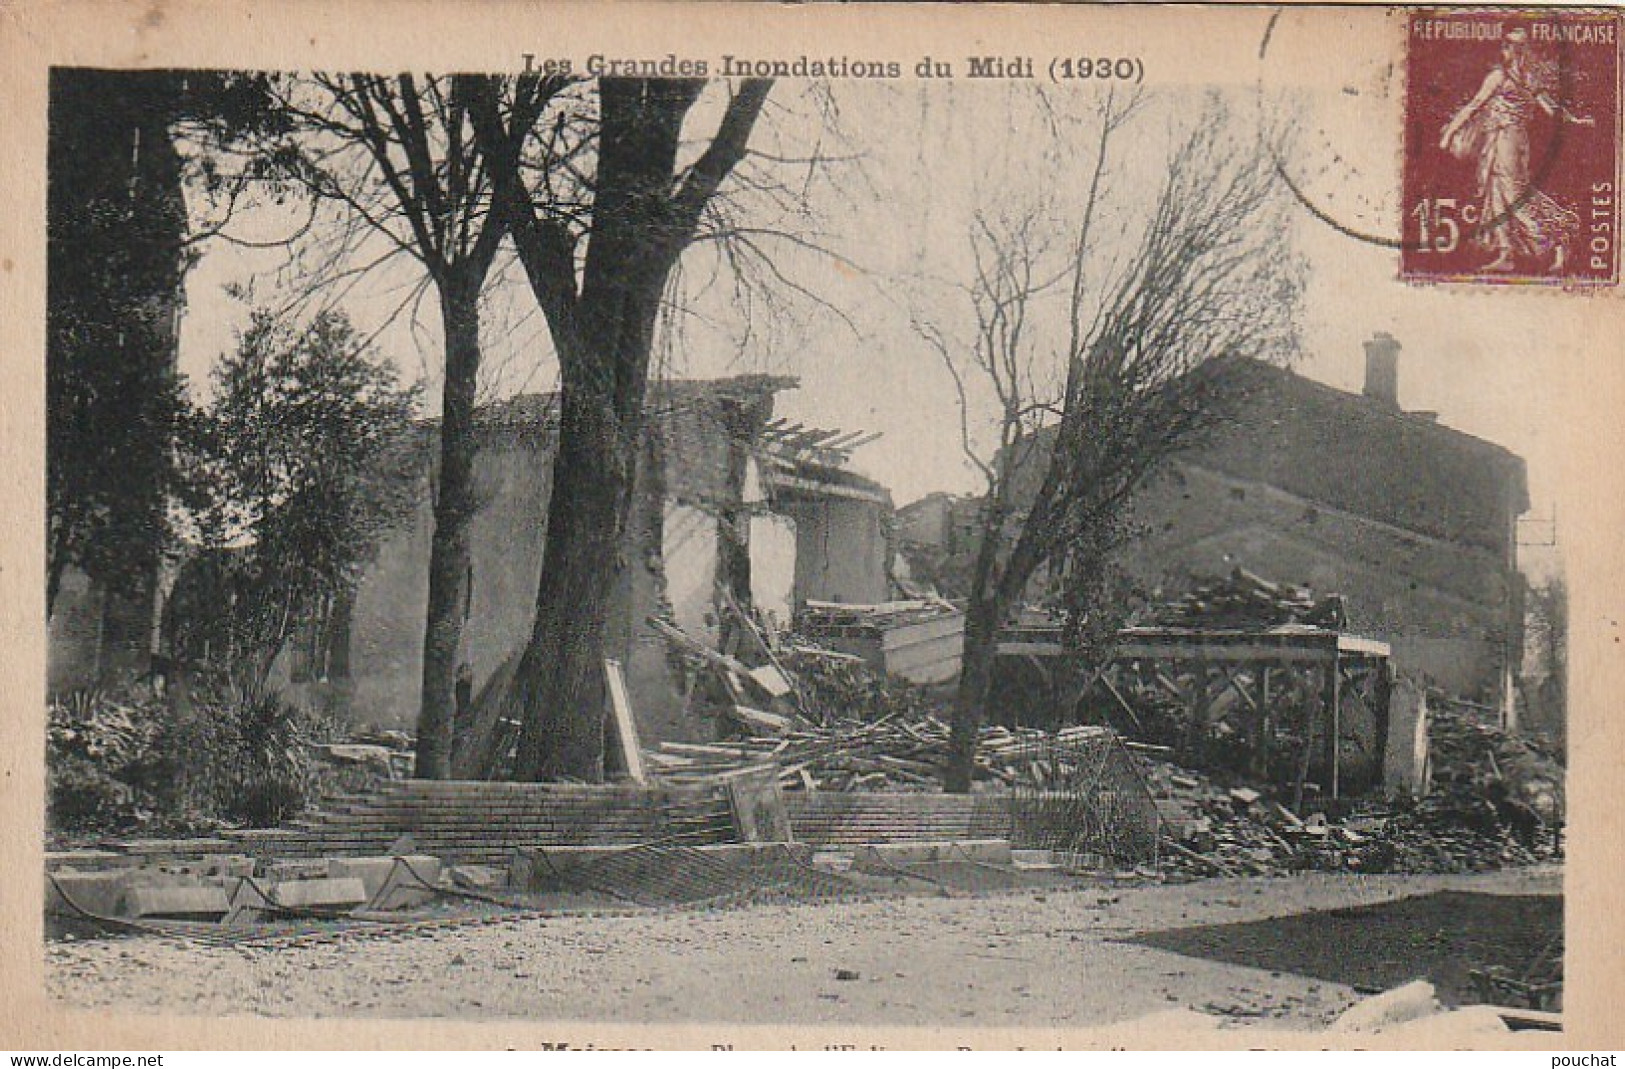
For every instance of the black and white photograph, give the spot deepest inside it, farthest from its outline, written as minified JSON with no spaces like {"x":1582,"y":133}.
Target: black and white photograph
{"x":900,"y":527}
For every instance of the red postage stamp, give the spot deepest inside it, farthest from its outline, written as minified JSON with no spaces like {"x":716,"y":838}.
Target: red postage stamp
{"x":1512,"y":139}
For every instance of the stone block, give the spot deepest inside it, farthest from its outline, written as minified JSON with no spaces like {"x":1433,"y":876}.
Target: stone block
{"x":82,"y":860}
{"x":484,"y":879}
{"x":295,"y":869}
{"x":172,"y":848}
{"x":256,"y":899}
{"x":98,"y":893}
{"x":390,"y":882}
{"x":337,"y":894}
{"x":882,"y":857}
{"x":181,"y":901}
{"x":1395,"y":1006}
{"x":227,"y":866}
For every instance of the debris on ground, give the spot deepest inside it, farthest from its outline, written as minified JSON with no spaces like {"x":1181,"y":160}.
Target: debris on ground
{"x":891,"y":754}
{"x":1497,"y":800}
{"x":1476,"y":818}
{"x":1415,"y":1009}
{"x":1244,"y":601}
{"x":1520,"y":778}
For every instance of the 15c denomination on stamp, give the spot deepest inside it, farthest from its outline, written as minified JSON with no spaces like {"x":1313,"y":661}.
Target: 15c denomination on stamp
{"x":1512,"y":141}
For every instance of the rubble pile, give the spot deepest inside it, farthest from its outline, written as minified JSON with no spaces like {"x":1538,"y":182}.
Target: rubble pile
{"x":829,"y":721}
{"x":836,"y":686}
{"x":1247,"y":601}
{"x":891,"y":754}
{"x":1465,"y":825}
{"x":1475,"y":763}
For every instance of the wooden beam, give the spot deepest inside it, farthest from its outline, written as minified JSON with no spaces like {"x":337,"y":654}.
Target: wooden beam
{"x":1198,"y":709}
{"x":1252,"y":703}
{"x":786,"y":481}
{"x":1266,"y":725}
{"x":1123,"y":703}
{"x":626,"y":728}
{"x":1334,"y":694}
{"x":1303,"y":759}
{"x":1243,"y":650}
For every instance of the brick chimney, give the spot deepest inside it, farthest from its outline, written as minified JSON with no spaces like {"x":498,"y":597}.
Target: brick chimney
{"x":1382,"y":369}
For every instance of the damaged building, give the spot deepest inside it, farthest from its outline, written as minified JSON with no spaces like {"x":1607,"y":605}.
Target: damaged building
{"x":1411,"y":521}
{"x":727,"y":495}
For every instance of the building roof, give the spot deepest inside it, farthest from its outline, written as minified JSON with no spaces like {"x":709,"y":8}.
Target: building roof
{"x":1364,"y":456}
{"x":688,"y":418}
{"x":541,"y":410}
{"x":794,"y":477}
{"x":1359,"y":455}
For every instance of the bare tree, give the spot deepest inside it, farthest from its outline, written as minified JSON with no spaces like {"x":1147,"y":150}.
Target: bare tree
{"x":1150,"y":323}
{"x":598,"y":252}
{"x":400,"y":154}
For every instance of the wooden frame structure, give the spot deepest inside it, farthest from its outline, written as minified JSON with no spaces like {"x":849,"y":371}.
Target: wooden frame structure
{"x":1197,"y":667}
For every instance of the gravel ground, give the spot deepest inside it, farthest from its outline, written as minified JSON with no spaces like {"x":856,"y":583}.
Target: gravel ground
{"x":1050,"y":957}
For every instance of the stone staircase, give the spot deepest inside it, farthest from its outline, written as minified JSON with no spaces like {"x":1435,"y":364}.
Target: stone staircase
{"x":840,"y":818}
{"x":478,"y":822}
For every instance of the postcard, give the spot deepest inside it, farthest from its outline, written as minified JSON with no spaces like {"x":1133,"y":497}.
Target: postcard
{"x":736,"y":526}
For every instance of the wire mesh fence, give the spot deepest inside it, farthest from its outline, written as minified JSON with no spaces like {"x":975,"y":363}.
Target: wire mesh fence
{"x":1079,"y":792}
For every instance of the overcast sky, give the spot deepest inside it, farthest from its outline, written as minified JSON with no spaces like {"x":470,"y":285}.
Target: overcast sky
{"x":898,"y":216}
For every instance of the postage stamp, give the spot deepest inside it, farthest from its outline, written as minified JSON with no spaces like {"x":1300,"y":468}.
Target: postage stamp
{"x":1511,"y":163}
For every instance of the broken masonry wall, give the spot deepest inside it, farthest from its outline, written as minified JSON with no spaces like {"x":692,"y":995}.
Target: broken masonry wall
{"x":513,"y":478}
{"x":661,"y":521}
{"x":671,"y":559}
{"x":1405,"y":761}
{"x":699,"y":514}
{"x":689,"y":552}
{"x":773,"y":567}
{"x":842,"y":548}
{"x":1414,"y":522}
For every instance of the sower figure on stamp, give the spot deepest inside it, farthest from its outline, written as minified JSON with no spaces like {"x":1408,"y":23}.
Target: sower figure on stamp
{"x":1516,"y":219}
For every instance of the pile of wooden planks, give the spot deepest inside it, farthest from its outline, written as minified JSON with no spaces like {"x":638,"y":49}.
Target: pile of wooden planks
{"x":761,"y":697}
{"x":1244,"y":601}
{"x":880,"y":614}
{"x":889,"y":754}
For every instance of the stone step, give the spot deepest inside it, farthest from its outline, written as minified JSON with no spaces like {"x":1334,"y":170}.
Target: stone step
{"x":884,"y":856}
{"x":178,"y":901}
{"x":391,"y":883}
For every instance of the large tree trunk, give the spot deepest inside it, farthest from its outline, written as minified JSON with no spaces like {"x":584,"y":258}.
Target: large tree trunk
{"x":116,"y":269}
{"x":994,"y":589}
{"x":560,"y":679}
{"x":604,"y":356}
{"x":970,"y":699}
{"x":644,"y":211}
{"x":449,"y":553}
